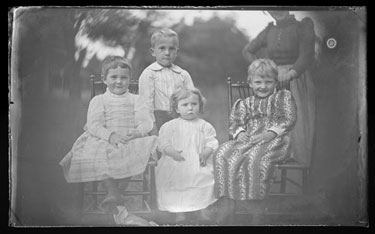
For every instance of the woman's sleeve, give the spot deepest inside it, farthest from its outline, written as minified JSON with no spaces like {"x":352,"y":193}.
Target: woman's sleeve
{"x":165,"y":134}
{"x":286,"y":113}
{"x":95,"y":119}
{"x":237,"y":118}
{"x":306,"y":35}
{"x":142,"y":116}
{"x":147,"y":90}
{"x":257,"y":43}
{"x":210,"y":140}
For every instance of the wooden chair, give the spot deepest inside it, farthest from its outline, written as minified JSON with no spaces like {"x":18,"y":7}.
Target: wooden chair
{"x":91,"y":192}
{"x":242,"y":90}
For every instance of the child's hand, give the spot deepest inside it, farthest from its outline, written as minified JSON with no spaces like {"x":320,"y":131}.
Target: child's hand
{"x":242,"y":136}
{"x":266,"y":137}
{"x":203,"y":160}
{"x":204,"y":155}
{"x":133,"y":134}
{"x":175,"y":154}
{"x":116,"y":139}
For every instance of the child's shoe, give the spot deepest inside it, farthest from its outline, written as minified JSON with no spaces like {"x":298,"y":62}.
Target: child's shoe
{"x":110,"y":203}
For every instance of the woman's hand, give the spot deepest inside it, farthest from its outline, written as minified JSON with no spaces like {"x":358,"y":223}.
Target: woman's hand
{"x":286,"y":77}
{"x":266,"y":137}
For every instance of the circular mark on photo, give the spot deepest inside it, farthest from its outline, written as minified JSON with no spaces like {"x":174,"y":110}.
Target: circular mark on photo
{"x":331,"y":43}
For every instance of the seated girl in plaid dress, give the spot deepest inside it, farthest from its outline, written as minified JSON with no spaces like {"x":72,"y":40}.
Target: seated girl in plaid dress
{"x":115,"y":144}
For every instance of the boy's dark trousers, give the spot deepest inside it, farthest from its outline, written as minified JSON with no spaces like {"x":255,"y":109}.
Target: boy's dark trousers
{"x":161,"y":117}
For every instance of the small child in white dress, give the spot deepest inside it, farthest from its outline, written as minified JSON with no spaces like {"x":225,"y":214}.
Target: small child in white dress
{"x":184,"y":174}
{"x":115,"y":144}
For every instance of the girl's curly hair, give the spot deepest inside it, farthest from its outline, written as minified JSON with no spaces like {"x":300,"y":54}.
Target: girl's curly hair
{"x":182,"y":93}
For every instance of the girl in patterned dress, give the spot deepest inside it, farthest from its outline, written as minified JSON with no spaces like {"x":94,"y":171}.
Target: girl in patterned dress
{"x":184,"y":175}
{"x":115,"y":144}
{"x":290,"y":43}
{"x":259,"y":124}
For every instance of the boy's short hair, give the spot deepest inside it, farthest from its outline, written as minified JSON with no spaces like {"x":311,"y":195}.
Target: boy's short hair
{"x":112,"y":62}
{"x":262,"y":68}
{"x":182,"y":93}
{"x":163,"y":32}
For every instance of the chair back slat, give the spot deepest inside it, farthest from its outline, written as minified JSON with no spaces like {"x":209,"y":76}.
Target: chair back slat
{"x":237,"y":90}
{"x":98,"y":86}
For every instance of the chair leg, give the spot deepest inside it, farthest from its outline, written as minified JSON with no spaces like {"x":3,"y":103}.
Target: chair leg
{"x":95,"y":185}
{"x":153,"y":188}
{"x":304,"y":181}
{"x":81,"y":194}
{"x":283,"y":180}
{"x":145,"y":188}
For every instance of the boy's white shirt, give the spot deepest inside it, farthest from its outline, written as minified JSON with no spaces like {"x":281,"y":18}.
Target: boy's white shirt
{"x":157,"y":83}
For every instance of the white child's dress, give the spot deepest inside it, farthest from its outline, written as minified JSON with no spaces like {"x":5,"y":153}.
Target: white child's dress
{"x":184,"y":186}
{"x":93,"y":158}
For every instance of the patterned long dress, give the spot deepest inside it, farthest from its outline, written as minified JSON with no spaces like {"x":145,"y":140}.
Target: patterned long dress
{"x":243,"y":170}
{"x":93,"y":158}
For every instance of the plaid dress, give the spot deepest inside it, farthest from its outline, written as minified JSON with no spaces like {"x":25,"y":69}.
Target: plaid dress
{"x":93,"y":158}
{"x":243,"y":170}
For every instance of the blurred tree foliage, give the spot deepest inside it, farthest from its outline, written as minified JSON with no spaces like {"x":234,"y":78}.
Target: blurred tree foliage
{"x":121,"y":27}
{"x":46,"y":51}
{"x":44,"y":39}
{"x":212,"y":50}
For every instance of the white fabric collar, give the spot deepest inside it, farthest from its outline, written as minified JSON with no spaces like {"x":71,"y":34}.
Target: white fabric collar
{"x":157,"y":67}
{"x":107,"y":92}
